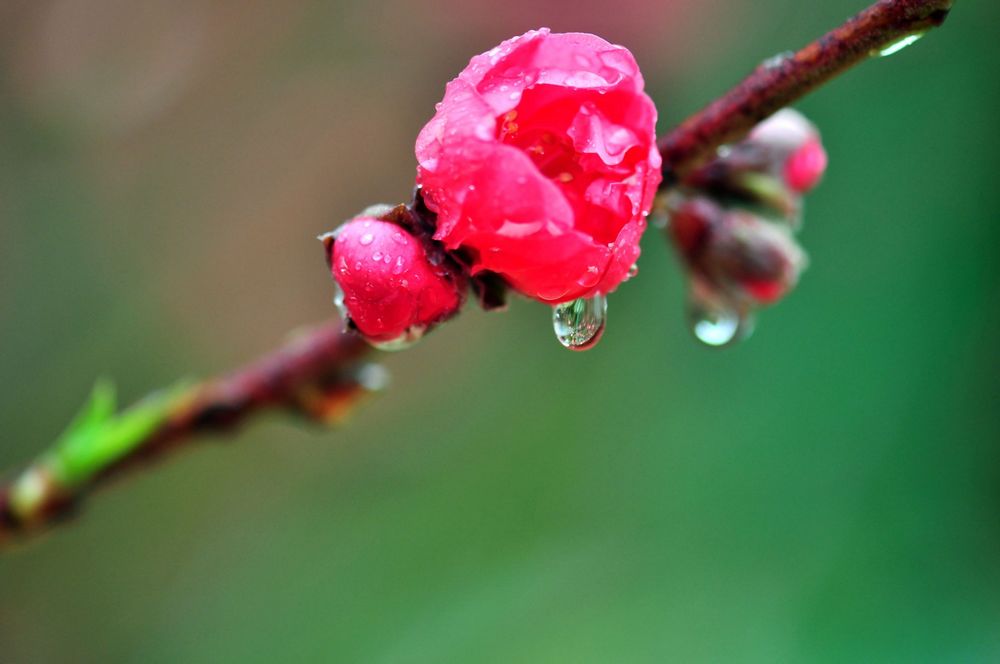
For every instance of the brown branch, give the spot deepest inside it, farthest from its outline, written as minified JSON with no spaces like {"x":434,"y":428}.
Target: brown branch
{"x":316,"y":375}
{"x":783,"y":79}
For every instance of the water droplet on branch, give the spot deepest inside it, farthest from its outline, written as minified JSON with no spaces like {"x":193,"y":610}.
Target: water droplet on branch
{"x":579,"y":324}
{"x":899,"y":44}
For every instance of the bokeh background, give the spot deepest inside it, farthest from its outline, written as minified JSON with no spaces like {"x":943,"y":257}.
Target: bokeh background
{"x":828,"y":491}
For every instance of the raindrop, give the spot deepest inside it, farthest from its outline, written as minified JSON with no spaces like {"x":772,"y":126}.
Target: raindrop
{"x":367,"y":239}
{"x":373,"y":377}
{"x":579,"y":324}
{"x":899,"y":44}
{"x":338,"y":301}
{"x":377,"y":256}
{"x":633,"y":271}
{"x":776,"y":61}
{"x":716,"y":321}
{"x":412,"y":335}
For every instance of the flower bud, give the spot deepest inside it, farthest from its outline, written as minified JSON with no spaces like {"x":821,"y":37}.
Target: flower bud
{"x":392,"y":292}
{"x":784,"y":132}
{"x":805,"y":167}
{"x":781,"y":159}
{"x":795,"y":147}
{"x":735,"y":251}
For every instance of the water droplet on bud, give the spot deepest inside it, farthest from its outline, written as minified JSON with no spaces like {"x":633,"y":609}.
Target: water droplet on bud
{"x":338,"y":300}
{"x":717,"y":322}
{"x":579,"y":324}
{"x":367,"y":238}
{"x":412,"y":335}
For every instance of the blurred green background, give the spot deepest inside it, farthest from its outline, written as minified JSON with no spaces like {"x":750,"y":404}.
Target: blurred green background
{"x":828,"y":491}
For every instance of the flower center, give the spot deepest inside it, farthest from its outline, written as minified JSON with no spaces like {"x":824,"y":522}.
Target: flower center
{"x":553,"y":155}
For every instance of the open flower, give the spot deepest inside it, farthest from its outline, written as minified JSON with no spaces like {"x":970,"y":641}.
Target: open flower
{"x":541,"y":164}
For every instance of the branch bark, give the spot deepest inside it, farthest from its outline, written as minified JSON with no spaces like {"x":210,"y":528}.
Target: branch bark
{"x":781,"y":80}
{"x":317,"y":375}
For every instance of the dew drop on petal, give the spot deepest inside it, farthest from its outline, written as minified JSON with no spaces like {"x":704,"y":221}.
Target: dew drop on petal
{"x":377,"y":256}
{"x":367,"y":239}
{"x":579,"y":324}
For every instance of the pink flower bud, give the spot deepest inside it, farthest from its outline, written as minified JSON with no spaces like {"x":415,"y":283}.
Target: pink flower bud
{"x":781,"y":159}
{"x":737,"y":252}
{"x":805,"y":166}
{"x":541,"y":164}
{"x":391,"y":291}
{"x":785,"y":131}
{"x":796,"y":147}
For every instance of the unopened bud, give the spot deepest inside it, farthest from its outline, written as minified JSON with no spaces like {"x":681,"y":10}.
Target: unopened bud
{"x":736,"y":251}
{"x":781,"y":159}
{"x":391,"y":290}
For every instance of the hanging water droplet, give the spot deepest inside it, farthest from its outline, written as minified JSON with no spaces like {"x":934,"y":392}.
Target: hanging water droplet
{"x":899,"y":44}
{"x":412,"y":335}
{"x":717,"y":322}
{"x":633,"y":271}
{"x":579,"y":324}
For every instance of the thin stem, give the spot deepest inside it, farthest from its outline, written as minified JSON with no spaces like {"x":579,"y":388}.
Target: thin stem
{"x":781,"y":80}
{"x":317,"y":374}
